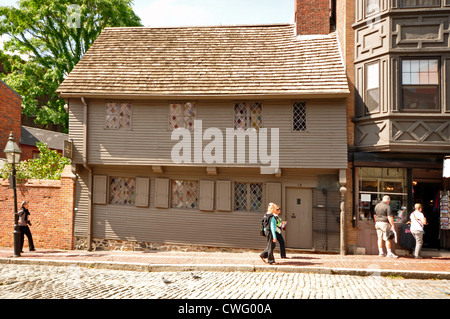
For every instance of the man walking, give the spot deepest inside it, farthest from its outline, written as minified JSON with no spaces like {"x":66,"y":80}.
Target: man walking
{"x":384,"y":222}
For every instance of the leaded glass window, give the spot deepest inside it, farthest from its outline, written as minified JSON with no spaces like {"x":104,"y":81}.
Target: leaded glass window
{"x":248,"y":115}
{"x":118,"y":115}
{"x":182,"y":115}
{"x":185,"y":194}
{"x":122,"y":191}
{"x":248,"y":197}
{"x":299,"y":116}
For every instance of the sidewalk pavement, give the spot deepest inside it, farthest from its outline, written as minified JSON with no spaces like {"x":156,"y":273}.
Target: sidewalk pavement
{"x":435,"y":266}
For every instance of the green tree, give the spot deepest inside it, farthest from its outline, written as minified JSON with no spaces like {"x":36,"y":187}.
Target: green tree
{"x":49,"y":165}
{"x":54,"y":34}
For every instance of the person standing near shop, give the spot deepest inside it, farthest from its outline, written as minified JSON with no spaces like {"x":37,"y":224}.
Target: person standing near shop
{"x":24,"y":221}
{"x":384,"y":222}
{"x":418,"y":221}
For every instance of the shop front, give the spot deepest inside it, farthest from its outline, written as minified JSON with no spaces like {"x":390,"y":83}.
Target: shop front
{"x":407,"y":180}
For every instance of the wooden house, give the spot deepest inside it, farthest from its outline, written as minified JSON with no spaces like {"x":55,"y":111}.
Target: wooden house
{"x":136,"y":88}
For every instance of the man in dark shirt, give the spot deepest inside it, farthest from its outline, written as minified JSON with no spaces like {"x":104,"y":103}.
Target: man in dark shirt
{"x":384,"y":221}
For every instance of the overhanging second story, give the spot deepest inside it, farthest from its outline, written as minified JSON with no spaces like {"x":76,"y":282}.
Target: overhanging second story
{"x":140,"y":92}
{"x":402,"y":72}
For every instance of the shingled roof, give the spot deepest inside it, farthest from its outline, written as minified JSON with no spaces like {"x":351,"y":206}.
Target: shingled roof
{"x":208,"y":61}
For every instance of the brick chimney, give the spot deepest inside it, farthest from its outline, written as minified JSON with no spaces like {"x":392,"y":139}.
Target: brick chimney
{"x":312,"y":16}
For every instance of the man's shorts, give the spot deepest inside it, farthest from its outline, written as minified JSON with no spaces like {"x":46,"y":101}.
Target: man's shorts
{"x":382,"y":230}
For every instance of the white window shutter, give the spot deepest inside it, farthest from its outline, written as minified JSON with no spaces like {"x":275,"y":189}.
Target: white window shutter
{"x":206,"y":201}
{"x":142,"y":191}
{"x":162,"y":193}
{"x":273,"y":191}
{"x":223,"y":196}
{"x":99,"y":192}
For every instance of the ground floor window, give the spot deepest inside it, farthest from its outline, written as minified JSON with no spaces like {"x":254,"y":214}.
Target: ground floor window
{"x":122,"y":191}
{"x":248,"y":197}
{"x":184,"y":194}
{"x":374,"y":183}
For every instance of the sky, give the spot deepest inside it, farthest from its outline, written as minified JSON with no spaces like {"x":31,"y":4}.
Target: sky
{"x":163,"y":13}
{"x":176,"y":13}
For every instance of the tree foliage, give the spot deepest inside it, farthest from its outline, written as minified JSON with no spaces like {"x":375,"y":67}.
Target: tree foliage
{"x":54,"y":35}
{"x":49,"y":165}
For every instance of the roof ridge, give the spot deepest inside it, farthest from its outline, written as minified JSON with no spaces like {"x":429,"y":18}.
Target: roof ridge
{"x":206,"y":26}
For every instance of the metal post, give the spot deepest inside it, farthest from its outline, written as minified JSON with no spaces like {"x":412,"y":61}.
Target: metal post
{"x":16,"y":231}
{"x":343,"y":250}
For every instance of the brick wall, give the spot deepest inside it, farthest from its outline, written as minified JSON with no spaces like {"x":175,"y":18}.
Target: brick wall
{"x":10,"y":115}
{"x":51,"y":208}
{"x":312,"y":16}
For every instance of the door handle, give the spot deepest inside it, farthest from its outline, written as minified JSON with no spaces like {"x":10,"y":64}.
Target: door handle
{"x":293,"y":215}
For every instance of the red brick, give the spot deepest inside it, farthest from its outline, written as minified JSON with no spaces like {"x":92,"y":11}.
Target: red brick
{"x":51,"y":209}
{"x":312,"y":16}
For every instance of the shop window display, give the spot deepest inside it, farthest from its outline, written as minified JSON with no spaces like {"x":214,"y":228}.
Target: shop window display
{"x":374,"y":183}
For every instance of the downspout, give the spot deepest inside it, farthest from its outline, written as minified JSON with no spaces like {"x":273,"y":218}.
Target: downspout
{"x":86,"y":166}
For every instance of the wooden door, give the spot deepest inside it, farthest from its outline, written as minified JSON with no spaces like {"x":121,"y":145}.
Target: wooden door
{"x":298,"y":215}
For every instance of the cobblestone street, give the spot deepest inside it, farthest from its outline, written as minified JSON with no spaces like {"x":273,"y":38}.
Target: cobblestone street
{"x":73,"y":282}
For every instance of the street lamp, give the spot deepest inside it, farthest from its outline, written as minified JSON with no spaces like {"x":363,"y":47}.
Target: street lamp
{"x":13,"y":152}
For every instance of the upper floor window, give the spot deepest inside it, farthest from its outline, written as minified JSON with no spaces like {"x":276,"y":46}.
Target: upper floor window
{"x":118,"y":115}
{"x":420,"y":84}
{"x":420,"y":3}
{"x":372,"y":96}
{"x":248,"y":115}
{"x":182,"y":115}
{"x":299,"y":116}
{"x":372,"y":6}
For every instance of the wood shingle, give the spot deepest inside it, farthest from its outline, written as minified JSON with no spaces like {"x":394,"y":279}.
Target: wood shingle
{"x":208,"y":61}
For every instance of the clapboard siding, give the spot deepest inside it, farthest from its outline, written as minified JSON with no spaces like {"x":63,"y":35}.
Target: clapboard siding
{"x":81,"y":205}
{"x":151,"y":224}
{"x":322,"y":145}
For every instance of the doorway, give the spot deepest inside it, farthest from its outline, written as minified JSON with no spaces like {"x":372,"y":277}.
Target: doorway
{"x":299,"y":218}
{"x":427,"y":194}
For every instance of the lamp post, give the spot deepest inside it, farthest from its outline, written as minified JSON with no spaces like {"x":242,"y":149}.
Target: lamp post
{"x":13,"y":152}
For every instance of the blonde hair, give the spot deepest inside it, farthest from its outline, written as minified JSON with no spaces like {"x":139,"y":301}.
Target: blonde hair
{"x":418,"y":206}
{"x":269,"y":208}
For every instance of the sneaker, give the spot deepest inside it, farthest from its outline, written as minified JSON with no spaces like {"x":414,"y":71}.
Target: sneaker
{"x":391,"y":255}
{"x":381,"y":255}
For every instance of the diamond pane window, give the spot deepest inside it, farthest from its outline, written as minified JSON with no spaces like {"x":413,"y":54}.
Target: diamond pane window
{"x":240,"y":196}
{"x":182,"y":115}
{"x":184,"y":194}
{"x":256,"y":197}
{"x":299,"y":116}
{"x":248,"y":197}
{"x":118,"y":115}
{"x":248,"y":115}
{"x":122,"y":191}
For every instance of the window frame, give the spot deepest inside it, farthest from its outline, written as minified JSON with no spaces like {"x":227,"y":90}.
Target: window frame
{"x":403,"y":6}
{"x":305,"y":120}
{"x":368,"y":14}
{"x":197,"y":201}
{"x":183,"y":103}
{"x":248,"y":115}
{"x":118,"y":128}
{"x":130,"y":203}
{"x":248,"y":197}
{"x":367,"y":112}
{"x":439,"y":85}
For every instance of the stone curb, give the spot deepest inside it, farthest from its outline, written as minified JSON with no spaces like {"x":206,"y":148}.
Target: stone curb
{"x":228,"y":268}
